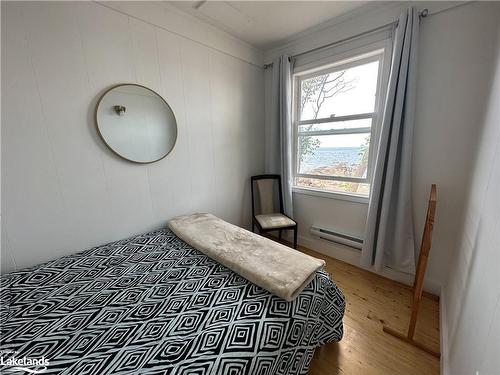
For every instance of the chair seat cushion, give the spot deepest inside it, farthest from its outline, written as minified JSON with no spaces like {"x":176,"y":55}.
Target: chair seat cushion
{"x":269,"y":221}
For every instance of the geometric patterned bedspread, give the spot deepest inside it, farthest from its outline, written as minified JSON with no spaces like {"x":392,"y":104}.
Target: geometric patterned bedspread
{"x":152,"y":304}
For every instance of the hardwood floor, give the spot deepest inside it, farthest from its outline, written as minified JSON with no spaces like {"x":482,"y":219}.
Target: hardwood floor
{"x":365,"y":348}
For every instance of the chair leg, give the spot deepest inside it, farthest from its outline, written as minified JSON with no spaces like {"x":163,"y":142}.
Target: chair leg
{"x":279,"y":234}
{"x":295,"y":237}
{"x":253,"y":227}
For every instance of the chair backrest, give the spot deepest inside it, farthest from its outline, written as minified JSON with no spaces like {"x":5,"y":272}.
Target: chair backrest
{"x":266,"y":194}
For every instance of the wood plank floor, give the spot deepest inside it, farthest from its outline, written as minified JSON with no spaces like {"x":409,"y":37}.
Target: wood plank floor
{"x":365,"y":348}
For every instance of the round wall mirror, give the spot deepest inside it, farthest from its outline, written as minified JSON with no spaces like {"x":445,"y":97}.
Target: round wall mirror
{"x":136,"y":123}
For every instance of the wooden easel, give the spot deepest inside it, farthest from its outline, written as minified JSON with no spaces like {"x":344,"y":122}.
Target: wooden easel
{"x":419,"y":278}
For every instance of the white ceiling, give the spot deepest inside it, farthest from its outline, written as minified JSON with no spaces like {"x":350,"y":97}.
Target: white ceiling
{"x":265,"y":24}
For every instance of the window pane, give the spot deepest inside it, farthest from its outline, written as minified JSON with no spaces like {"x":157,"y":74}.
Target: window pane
{"x":343,"y":155}
{"x":333,"y":186}
{"x":346,"y":92}
{"x":364,"y":123}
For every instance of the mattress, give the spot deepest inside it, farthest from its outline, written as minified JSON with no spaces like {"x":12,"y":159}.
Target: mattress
{"x":152,"y":304}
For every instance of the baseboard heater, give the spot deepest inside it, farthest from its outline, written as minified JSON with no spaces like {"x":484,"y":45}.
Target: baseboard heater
{"x":333,"y":236}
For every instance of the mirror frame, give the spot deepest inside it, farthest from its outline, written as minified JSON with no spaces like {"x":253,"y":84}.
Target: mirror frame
{"x":111,"y":148}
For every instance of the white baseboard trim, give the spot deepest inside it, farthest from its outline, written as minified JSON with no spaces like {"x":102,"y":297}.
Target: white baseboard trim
{"x":443,"y":333}
{"x":352,"y":256}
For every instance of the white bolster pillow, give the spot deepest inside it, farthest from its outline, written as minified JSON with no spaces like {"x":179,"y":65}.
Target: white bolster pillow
{"x":274,"y":267}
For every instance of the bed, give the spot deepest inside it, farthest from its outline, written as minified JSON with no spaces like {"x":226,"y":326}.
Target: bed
{"x":152,"y":304}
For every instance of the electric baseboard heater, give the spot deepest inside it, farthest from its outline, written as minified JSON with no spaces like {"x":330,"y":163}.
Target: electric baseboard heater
{"x":330,"y":235}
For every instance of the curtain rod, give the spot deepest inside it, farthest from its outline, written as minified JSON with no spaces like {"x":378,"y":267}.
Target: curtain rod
{"x":424,"y":13}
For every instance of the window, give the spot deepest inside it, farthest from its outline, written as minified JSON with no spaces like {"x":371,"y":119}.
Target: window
{"x":336,"y":112}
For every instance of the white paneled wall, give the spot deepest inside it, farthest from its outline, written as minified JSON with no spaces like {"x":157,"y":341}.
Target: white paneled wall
{"x":62,"y":189}
{"x":472,"y":291}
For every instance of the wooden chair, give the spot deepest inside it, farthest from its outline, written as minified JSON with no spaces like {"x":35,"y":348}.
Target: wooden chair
{"x":270,"y":216}
{"x":418,"y":283}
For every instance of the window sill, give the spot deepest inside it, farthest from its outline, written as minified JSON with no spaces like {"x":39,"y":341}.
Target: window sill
{"x":331,"y":195}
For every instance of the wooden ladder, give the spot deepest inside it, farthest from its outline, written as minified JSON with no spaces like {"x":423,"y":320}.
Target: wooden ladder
{"x":418,"y":283}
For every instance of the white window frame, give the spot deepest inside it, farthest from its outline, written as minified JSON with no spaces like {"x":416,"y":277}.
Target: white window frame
{"x":379,"y":51}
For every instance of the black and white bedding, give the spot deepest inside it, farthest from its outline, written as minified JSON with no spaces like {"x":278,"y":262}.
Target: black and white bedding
{"x":151,"y":304}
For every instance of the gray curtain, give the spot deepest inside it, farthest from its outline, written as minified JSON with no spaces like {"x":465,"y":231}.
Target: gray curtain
{"x":389,"y":238}
{"x":279,"y":142}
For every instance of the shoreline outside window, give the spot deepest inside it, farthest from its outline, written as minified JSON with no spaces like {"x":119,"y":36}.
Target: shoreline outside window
{"x":337,"y":114}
